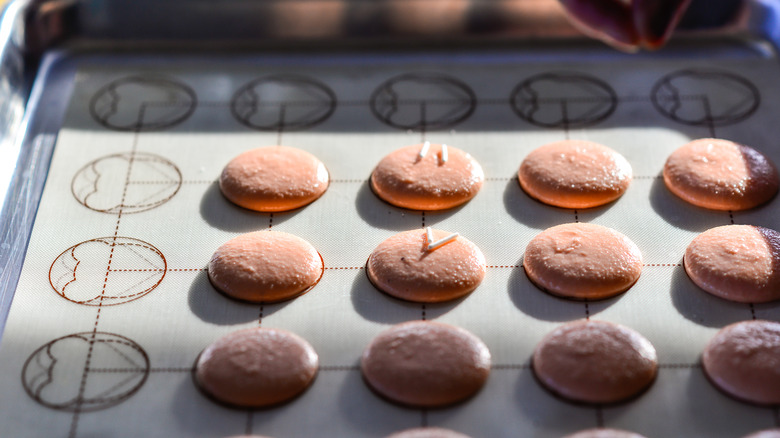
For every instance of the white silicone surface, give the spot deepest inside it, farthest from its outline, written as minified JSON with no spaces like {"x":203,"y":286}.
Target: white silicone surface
{"x":149,"y":309}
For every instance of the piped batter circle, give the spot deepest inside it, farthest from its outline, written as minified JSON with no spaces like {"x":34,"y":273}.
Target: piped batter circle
{"x":404,"y":268}
{"x":256,"y":367}
{"x":743,"y":360}
{"x":721,"y":175}
{"x":575,"y":174}
{"x":427,"y":432}
{"x":436,"y":181}
{"x":273,"y":179}
{"x":604,"y":433}
{"x":582,"y":261}
{"x":265,"y":266}
{"x":736,"y":262}
{"x":426,"y":364}
{"x":595,"y":362}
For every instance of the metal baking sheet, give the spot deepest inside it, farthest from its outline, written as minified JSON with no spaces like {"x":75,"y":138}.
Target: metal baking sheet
{"x":113,"y":304}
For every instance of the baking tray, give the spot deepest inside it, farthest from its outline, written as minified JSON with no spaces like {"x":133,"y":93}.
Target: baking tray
{"x":77,"y":367}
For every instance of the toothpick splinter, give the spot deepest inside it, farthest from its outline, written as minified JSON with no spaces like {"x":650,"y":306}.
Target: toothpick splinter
{"x":441,"y":242}
{"x":424,"y":150}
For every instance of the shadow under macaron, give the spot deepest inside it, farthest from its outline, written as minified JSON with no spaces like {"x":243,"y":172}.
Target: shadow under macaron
{"x":212,"y":306}
{"x":536,"y":214}
{"x":222,"y":214}
{"x":540,"y":304}
{"x":680,"y":213}
{"x":701,"y":307}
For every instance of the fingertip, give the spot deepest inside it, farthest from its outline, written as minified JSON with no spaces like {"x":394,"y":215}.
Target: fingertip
{"x":607,"y":20}
{"x":655,"y":20}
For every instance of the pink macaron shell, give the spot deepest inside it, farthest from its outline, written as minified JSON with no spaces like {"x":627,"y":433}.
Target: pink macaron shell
{"x":425,"y":18}
{"x":256,"y":367}
{"x":736,"y":262}
{"x":602,"y":432}
{"x":405,"y":180}
{"x":426,"y":364}
{"x":265,"y":266}
{"x":743,"y":360}
{"x":595,"y":362}
{"x":721,"y":175}
{"x":427,"y":432}
{"x":402,"y":267}
{"x":574,"y":174}
{"x":582,"y":261}
{"x":273,"y":179}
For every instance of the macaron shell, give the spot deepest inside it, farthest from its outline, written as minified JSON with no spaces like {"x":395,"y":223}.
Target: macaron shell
{"x":426,"y":364}
{"x":427,"y":432}
{"x":405,"y":180}
{"x":604,"y":433}
{"x":582,"y":261}
{"x":575,"y":174}
{"x":595,"y":362}
{"x":721,"y":175}
{"x":265,"y":266}
{"x":427,"y":18}
{"x":736,"y":262}
{"x":256,"y":367}
{"x":402,"y":267}
{"x":743,"y":360}
{"x":273,"y":179}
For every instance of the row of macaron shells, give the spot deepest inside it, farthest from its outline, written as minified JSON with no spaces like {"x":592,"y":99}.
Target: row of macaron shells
{"x":429,"y":242}
{"x":426,"y":364}
{"x":573,"y":260}
{"x":710,"y":173}
{"x":437,"y":432}
{"x":570,"y":260}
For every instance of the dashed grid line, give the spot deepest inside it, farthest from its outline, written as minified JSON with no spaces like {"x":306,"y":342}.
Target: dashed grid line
{"x":282,"y":116}
{"x":85,"y":373}
{"x":350,"y":268}
{"x":343,"y":268}
{"x":350,"y":180}
{"x":352,"y":368}
{"x":340,"y":368}
{"x":162,"y":182}
{"x":511,"y":366}
{"x":249,"y":425}
{"x":565,"y":117}
{"x":136,"y":370}
{"x":673,"y":366}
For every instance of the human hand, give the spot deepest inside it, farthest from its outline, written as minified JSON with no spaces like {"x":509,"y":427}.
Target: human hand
{"x":627,"y":24}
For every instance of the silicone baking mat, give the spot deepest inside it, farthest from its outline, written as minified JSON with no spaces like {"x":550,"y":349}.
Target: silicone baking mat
{"x":113,"y":304}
